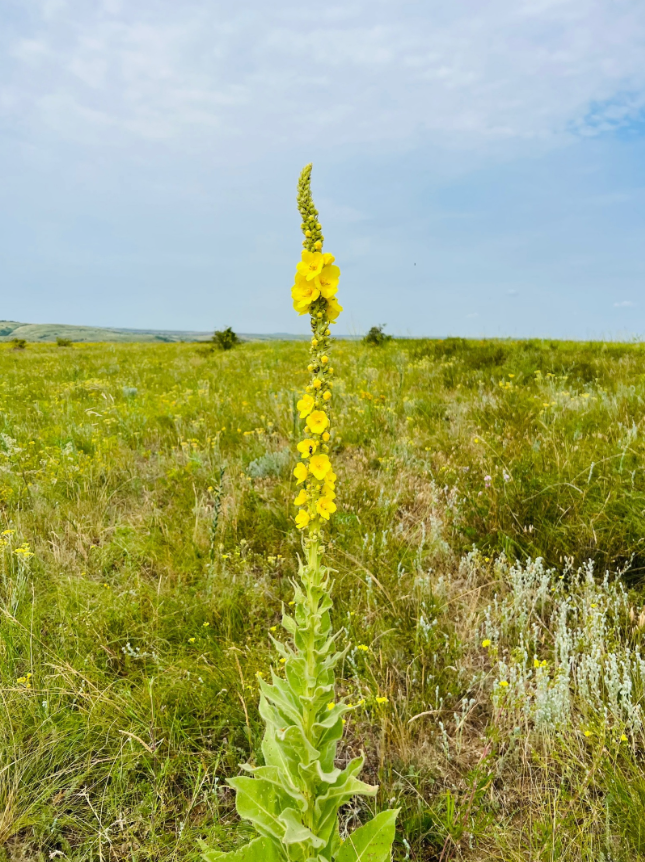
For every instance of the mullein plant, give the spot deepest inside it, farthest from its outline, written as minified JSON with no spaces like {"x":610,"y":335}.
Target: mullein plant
{"x":293,"y":800}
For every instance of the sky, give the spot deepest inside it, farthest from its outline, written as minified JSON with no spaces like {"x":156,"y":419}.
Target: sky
{"x":479,"y":165}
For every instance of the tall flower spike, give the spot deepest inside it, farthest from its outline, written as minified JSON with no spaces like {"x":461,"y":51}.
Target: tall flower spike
{"x":293,"y":800}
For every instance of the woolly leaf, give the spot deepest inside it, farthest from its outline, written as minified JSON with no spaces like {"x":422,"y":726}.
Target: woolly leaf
{"x":259,"y":850}
{"x":371,"y":842}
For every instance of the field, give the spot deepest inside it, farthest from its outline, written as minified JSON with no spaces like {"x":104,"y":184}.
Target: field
{"x":490,"y":557}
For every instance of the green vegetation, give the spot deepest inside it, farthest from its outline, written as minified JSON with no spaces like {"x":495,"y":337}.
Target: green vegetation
{"x":225,"y":339}
{"x":377,"y":336}
{"x":145,"y":504}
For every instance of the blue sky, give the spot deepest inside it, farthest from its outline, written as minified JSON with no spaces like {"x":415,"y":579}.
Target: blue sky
{"x":479,"y":165}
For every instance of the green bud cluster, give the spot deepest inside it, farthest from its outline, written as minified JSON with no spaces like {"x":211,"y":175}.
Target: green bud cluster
{"x":310,"y":226}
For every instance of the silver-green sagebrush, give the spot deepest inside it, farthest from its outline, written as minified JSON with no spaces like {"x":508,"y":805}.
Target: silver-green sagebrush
{"x":293,"y":800}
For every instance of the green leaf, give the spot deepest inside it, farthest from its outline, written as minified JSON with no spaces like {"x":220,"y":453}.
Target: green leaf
{"x":261,"y":802}
{"x":372,"y":842}
{"x":259,"y":850}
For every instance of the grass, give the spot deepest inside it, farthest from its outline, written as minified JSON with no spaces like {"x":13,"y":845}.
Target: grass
{"x":151,"y":485}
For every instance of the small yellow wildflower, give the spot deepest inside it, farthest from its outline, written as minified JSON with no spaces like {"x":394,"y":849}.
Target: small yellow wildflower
{"x":307,"y":447}
{"x":305,"y":405}
{"x":325,"y":507}
{"x":486,"y":643}
{"x":382,"y":700}
{"x":302,"y":519}
{"x":588,"y":732}
{"x":325,"y":436}
{"x":331,"y":705}
{"x":362,"y":647}
{"x":320,"y":466}
{"x":623,"y":737}
{"x":191,"y":640}
{"x":327,"y":281}
{"x":302,"y":498}
{"x":318,"y":421}
{"x":311,"y":264}
{"x":503,"y":683}
{"x":317,"y":383}
{"x":273,"y":628}
{"x":300,"y":472}
{"x":333,"y":309}
{"x":206,"y":625}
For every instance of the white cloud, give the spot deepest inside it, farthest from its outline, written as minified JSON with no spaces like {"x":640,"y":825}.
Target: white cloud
{"x":626,"y":303}
{"x":240,"y":78}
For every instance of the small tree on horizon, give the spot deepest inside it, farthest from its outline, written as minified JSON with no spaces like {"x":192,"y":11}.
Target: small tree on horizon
{"x":376,"y":336}
{"x":225,"y":339}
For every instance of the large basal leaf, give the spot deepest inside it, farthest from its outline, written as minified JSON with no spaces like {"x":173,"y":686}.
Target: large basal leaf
{"x":371,"y":842}
{"x":259,"y":850}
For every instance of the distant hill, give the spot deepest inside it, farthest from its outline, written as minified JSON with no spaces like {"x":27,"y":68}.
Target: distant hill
{"x":10,"y":329}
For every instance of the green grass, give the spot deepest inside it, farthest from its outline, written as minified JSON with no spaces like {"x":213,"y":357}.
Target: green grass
{"x":143,"y":614}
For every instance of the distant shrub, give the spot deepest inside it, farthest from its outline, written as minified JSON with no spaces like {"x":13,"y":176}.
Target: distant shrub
{"x":63,"y":342}
{"x":18,"y":343}
{"x":376,"y":336}
{"x":225,"y":339}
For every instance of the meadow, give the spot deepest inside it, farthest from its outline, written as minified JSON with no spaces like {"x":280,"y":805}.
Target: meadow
{"x":489,"y":549}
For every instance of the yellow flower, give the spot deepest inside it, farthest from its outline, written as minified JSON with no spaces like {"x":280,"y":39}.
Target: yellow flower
{"x":503,"y":683}
{"x":300,"y":472}
{"x":362,"y":647}
{"x":302,"y":519}
{"x":333,"y":309}
{"x":318,"y":421}
{"x":327,"y":281}
{"x":381,"y":700}
{"x":588,"y":732}
{"x":191,"y":640}
{"x":303,"y":293}
{"x":328,"y":259}
{"x":305,"y":405}
{"x":327,"y":395}
{"x":328,"y":490}
{"x":331,"y":705}
{"x":307,"y":448}
{"x":325,"y":507}
{"x":311,"y":264}
{"x":302,"y":498}
{"x":319,"y":466}
{"x":486,"y":643}
{"x":623,"y":737}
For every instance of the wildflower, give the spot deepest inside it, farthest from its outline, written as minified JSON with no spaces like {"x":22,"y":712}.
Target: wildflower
{"x":305,"y":405}
{"x":302,"y":498}
{"x":311,"y":265}
{"x":362,"y":647}
{"x":300,"y":472}
{"x":205,"y":625}
{"x":503,"y":683}
{"x":273,"y":628}
{"x":333,"y":309}
{"x":486,"y":643}
{"x":302,"y":519}
{"x":327,"y":281}
{"x":319,"y":466}
{"x":623,"y":737}
{"x":382,"y":700}
{"x":588,"y":733}
{"x":331,"y":705}
{"x":191,"y":640}
{"x":325,"y":507}
{"x":318,"y":421}
{"x":304,"y":293}
{"x":327,"y":395}
{"x":307,"y":447}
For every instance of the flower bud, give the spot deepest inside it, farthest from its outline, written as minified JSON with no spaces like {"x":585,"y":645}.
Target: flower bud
{"x":324,"y":359}
{"x":325,"y":436}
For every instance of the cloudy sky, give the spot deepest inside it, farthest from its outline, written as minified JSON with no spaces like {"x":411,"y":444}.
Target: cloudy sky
{"x":479,"y":165}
